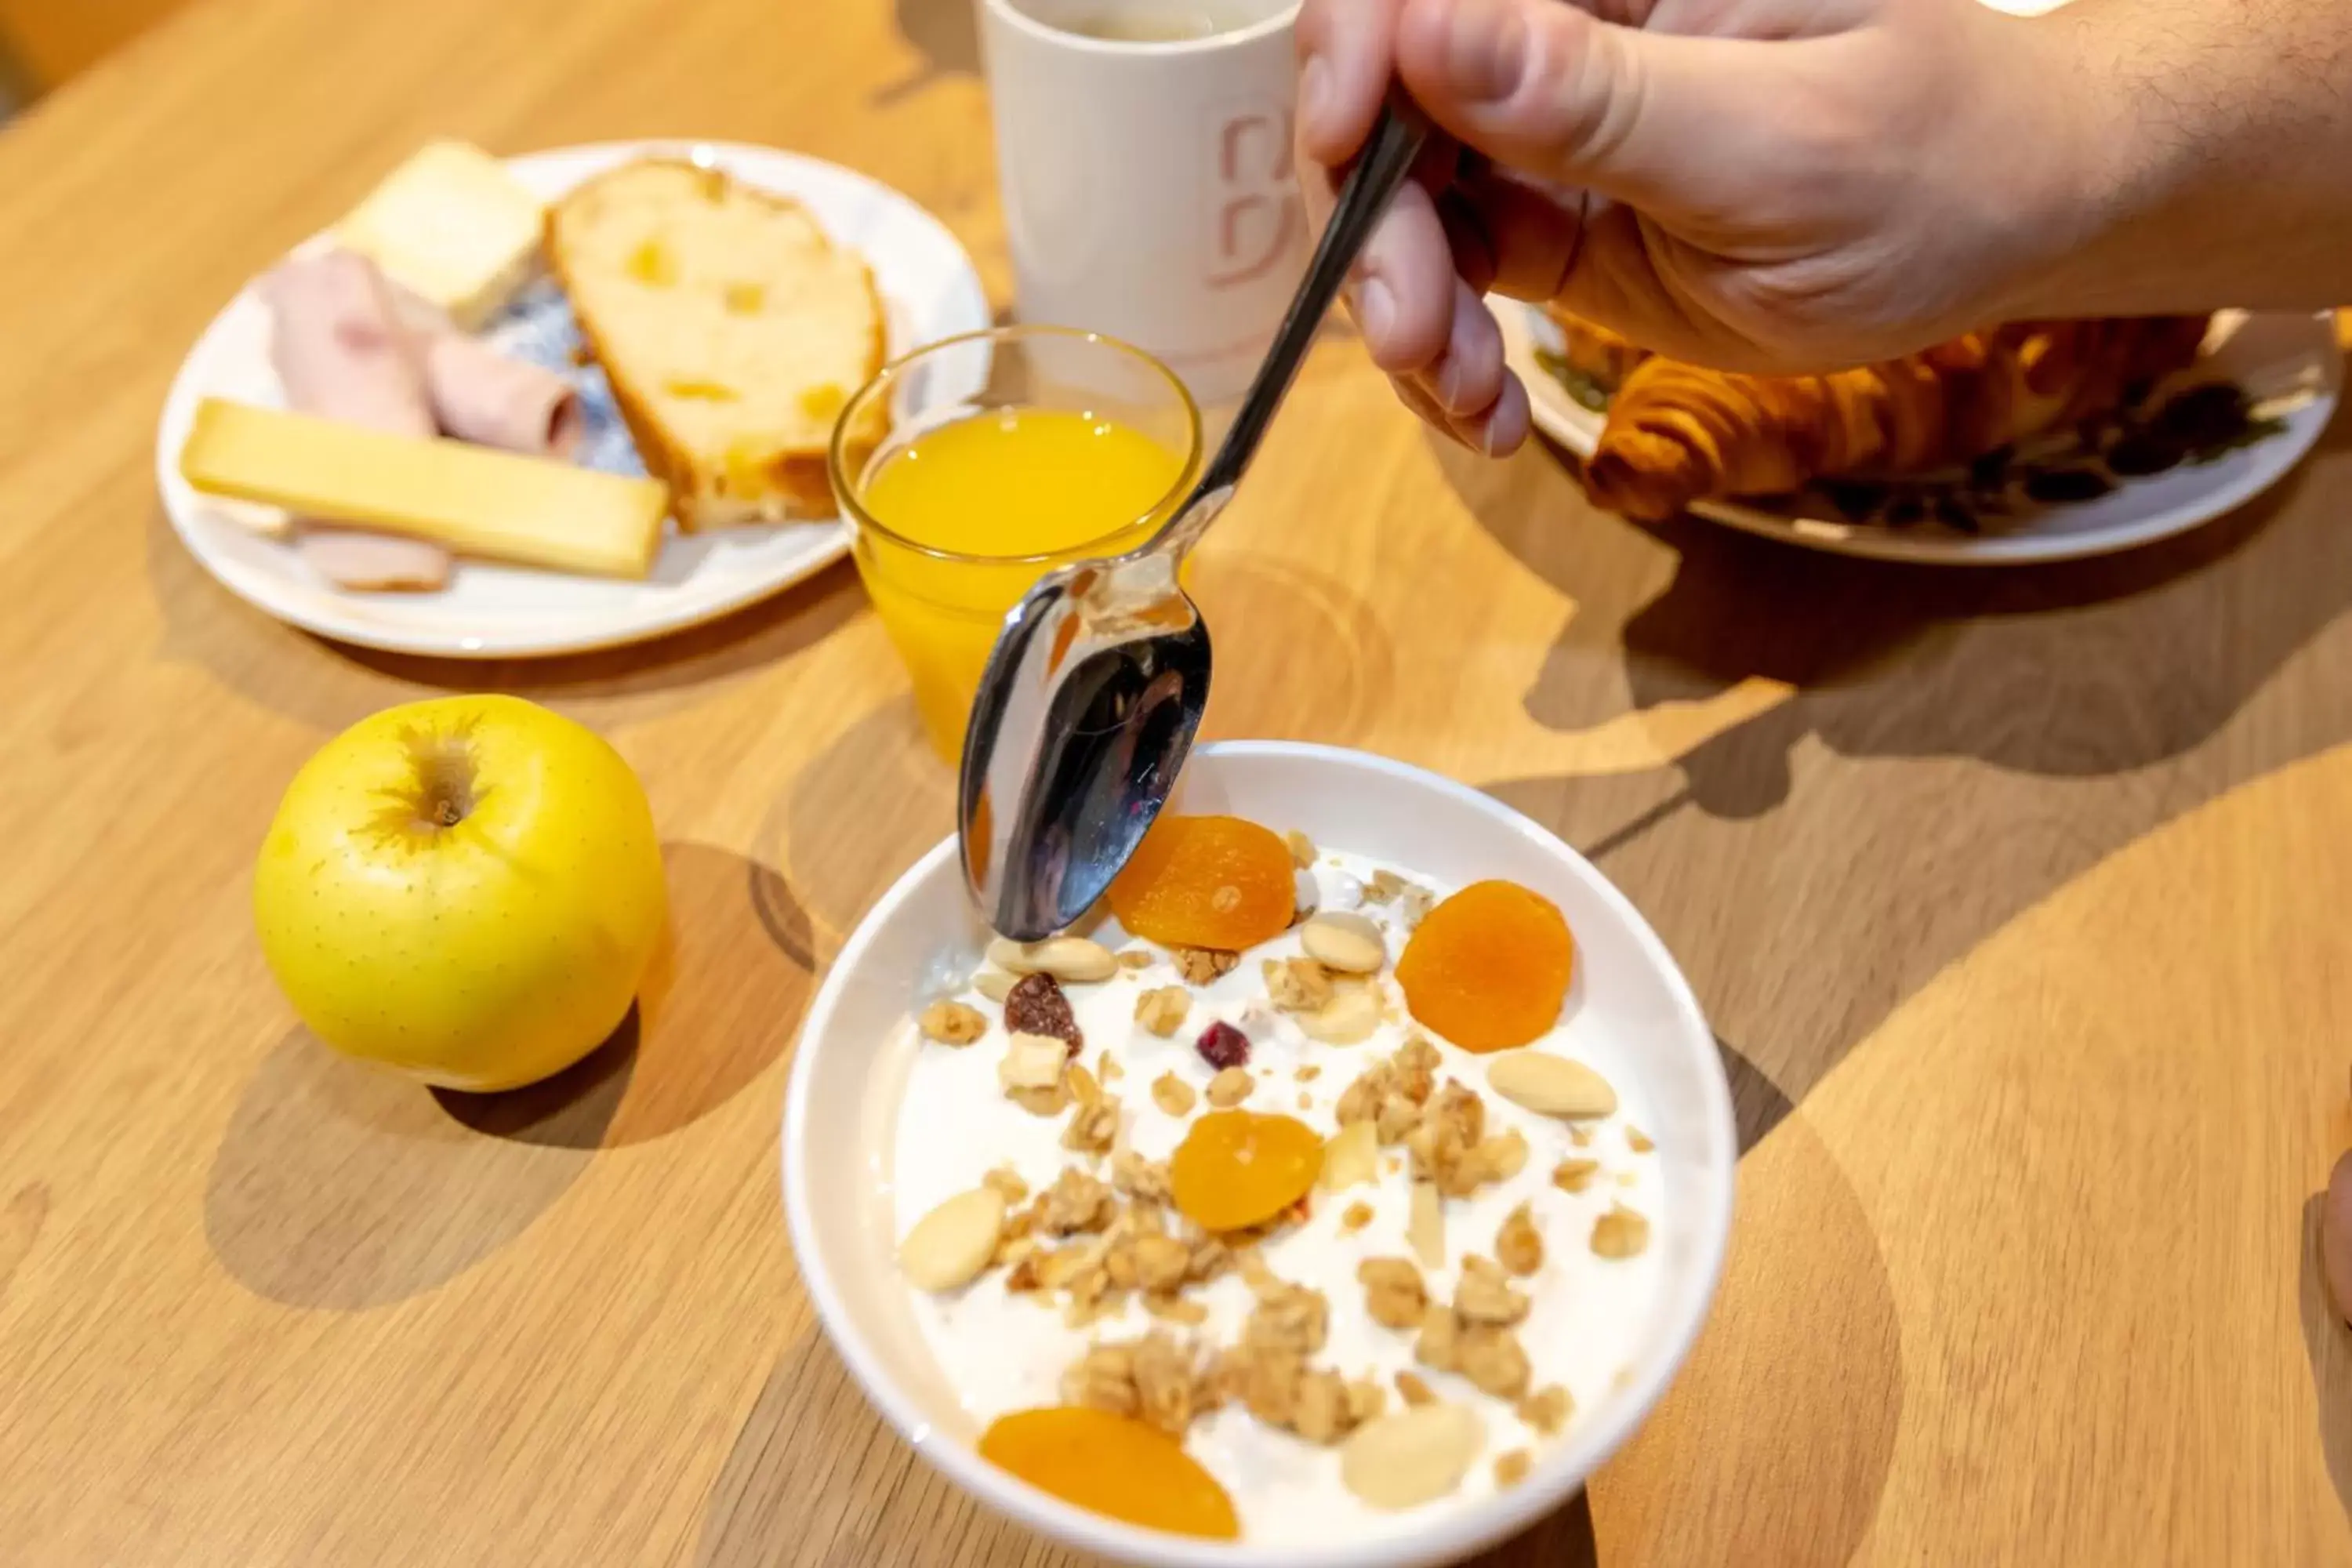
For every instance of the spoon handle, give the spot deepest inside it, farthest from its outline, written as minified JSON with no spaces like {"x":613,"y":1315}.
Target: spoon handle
{"x":1387,"y":159}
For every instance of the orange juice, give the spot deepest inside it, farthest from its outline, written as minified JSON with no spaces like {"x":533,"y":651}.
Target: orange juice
{"x":981,"y":508}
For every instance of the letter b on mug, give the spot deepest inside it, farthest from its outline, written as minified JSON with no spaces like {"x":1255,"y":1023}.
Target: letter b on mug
{"x":1144,"y":153}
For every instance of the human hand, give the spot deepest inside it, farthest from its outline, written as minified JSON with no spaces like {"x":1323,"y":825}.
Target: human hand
{"x":1754,"y":184}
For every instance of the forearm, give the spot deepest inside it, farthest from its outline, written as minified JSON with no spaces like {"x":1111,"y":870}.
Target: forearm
{"x":2212,"y":157}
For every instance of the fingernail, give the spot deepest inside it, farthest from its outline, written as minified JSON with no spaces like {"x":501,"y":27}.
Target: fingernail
{"x":1489,"y":50}
{"x":1314,"y":86}
{"x":1375,"y":309}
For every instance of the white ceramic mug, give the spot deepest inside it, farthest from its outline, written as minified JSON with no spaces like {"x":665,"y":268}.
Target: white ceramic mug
{"x":1147,"y":185}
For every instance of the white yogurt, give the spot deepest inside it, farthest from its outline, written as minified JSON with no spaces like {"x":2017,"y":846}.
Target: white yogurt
{"x":1005,"y":1352}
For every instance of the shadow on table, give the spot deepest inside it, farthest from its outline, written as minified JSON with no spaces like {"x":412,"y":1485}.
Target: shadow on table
{"x":328,"y":685}
{"x":2049,"y":716}
{"x":946,"y":34}
{"x":2329,"y":1344}
{"x":337,"y":1184}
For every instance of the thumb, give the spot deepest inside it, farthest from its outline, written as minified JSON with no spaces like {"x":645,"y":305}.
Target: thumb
{"x":1662,"y":121}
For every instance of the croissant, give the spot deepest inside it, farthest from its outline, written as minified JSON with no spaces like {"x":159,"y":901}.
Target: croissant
{"x":1677,"y":434}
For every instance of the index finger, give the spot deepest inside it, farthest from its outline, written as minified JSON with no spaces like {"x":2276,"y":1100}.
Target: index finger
{"x":1347,"y":56}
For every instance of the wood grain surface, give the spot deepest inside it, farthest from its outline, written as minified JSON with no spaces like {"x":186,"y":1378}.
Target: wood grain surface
{"x":2016,"y":899}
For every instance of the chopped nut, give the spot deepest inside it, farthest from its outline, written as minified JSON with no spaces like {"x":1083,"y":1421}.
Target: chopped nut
{"x":1203,"y":965}
{"x":1351,"y":1159}
{"x":1414,"y":905}
{"x":1176,"y":1310}
{"x":1440,"y":1345}
{"x":1163,"y":1010}
{"x":1292,"y":1318}
{"x":1094,"y":1128}
{"x":1106,"y":1069}
{"x":1084,"y":1087}
{"x":1144,"y":1180}
{"x":1302,"y":849}
{"x":1412,"y":1390}
{"x":1135,"y":957}
{"x":1398,"y":1116}
{"x":1033,"y":1061}
{"x":952,"y":1023}
{"x":1074,"y":1203}
{"x":1394,"y":1296}
{"x":1511,"y":1468}
{"x":1211,"y":1258}
{"x":1036,"y":1006}
{"x":1308,"y":1073}
{"x":1501,"y":1157}
{"x":1417,"y":1062}
{"x":1384,"y":887}
{"x":1620,"y":1233}
{"x":1319,"y":1409}
{"x":1230,"y":1087}
{"x":1172,"y":1094}
{"x":1573,"y":1176}
{"x":1518,"y":1246}
{"x":1492,"y":1358}
{"x":1161,"y":1263}
{"x":1306,"y":1100}
{"x":1102,"y":1379}
{"x":1547,"y":1410}
{"x":1042,"y":1102}
{"x":1006,"y":1183}
{"x":1296,"y":984}
{"x":1355,"y":1217}
{"x":1483,"y":1294}
{"x":1155,"y":1379}
{"x":1638,"y":1141}
{"x":995,"y":985}
{"x":1424,"y":1226}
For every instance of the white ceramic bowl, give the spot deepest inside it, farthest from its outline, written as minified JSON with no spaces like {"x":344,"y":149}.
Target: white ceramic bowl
{"x":922,"y":937}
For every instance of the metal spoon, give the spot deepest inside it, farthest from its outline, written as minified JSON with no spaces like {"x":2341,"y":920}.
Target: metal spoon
{"x":1089,"y":701}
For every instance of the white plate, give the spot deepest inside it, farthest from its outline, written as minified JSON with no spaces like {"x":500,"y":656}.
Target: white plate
{"x":2288,"y":364}
{"x":928,"y":287}
{"x":921,"y":938}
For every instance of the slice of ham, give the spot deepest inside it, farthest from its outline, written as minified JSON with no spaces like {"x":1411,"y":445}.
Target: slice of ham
{"x":481,"y":395}
{"x":342,"y":352}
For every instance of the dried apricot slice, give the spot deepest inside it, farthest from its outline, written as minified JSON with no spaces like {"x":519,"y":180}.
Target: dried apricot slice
{"x":1114,"y":1465}
{"x":1489,"y":967}
{"x":1239,"y":1168}
{"x":1207,"y":881}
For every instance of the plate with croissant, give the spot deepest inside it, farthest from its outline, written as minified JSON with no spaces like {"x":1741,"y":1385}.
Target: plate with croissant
{"x":2043,"y":441}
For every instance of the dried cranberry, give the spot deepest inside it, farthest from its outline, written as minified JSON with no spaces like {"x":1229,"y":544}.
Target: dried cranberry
{"x":1222,"y":1046}
{"x":1035,"y":1005}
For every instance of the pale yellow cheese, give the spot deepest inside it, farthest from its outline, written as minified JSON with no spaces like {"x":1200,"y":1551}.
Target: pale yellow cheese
{"x":452,"y":225}
{"x":535,"y":512}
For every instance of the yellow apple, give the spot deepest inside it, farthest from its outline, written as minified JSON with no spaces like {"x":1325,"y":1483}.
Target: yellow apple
{"x":466,"y":889}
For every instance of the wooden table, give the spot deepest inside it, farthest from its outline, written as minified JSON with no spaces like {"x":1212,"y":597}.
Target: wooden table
{"x":2018,"y":900}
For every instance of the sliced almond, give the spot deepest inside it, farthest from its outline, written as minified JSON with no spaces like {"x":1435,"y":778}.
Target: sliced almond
{"x":951,"y":1245}
{"x":1349,"y":1018}
{"x":1344,"y":940}
{"x":1032,"y":1061}
{"x":1550,"y":1084}
{"x":1073,"y":960}
{"x":1414,"y":1455}
{"x":1351,"y":1158}
{"x":995,"y":985}
{"x":1425,"y":1226}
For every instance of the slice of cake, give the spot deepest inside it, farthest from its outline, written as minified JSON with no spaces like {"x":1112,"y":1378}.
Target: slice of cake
{"x":732,"y":329}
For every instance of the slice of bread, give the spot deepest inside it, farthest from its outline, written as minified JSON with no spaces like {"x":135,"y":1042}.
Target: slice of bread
{"x":732,"y":329}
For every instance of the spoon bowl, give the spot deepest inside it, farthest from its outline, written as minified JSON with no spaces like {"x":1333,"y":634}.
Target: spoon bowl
{"x":1092,"y":695}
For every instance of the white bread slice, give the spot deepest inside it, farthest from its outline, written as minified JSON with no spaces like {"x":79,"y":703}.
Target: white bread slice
{"x":732,"y":329}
